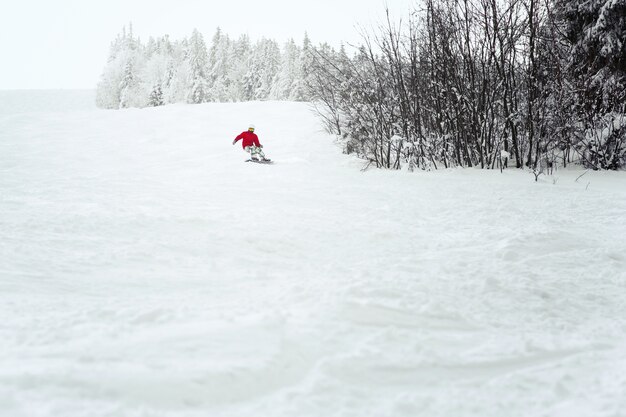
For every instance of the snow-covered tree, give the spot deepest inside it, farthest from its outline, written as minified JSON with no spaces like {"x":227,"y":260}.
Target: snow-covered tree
{"x":156,"y":96}
{"x":197,"y":58}
{"x":120,"y":84}
{"x":151,"y":47}
{"x":240,"y":56}
{"x":127,"y":85}
{"x":597,"y":31}
{"x":264,"y":66}
{"x":177,"y":73}
{"x":164,"y":71}
{"x":158,"y":70}
{"x":300,"y":90}
{"x":220,"y":57}
{"x":285,"y":81}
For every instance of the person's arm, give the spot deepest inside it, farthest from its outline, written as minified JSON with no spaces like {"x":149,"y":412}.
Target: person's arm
{"x":238,"y":138}
{"x":256,"y":141}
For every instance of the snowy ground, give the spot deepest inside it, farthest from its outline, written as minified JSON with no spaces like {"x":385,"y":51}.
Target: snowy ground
{"x":146,"y":270}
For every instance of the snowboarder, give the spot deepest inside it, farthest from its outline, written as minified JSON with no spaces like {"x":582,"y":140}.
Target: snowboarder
{"x":250,"y":144}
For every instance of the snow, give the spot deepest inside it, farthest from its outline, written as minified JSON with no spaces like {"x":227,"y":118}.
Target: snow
{"x":41,"y":101}
{"x":146,"y":270}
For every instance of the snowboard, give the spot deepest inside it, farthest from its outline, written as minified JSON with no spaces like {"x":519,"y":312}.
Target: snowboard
{"x":256,"y":161}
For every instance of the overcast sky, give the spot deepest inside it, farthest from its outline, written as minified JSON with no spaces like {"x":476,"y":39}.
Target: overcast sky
{"x":64,"y":43}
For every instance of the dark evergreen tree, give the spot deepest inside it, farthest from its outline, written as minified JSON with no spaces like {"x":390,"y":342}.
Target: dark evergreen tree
{"x":156,"y":96}
{"x":596,"y":29}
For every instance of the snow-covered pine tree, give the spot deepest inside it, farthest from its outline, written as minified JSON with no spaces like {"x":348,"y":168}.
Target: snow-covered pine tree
{"x":263,"y":68}
{"x":239,"y":61}
{"x":219,"y":63}
{"x":300,"y":89}
{"x":120,"y":84}
{"x":151,"y":47}
{"x":596,"y":30}
{"x":251,"y":80}
{"x":133,"y":91}
{"x":127,"y":85}
{"x":198,"y":90}
{"x":156,"y":96}
{"x":284,"y":81}
{"x":178,"y":73}
{"x":157,"y":71}
{"x":107,"y":91}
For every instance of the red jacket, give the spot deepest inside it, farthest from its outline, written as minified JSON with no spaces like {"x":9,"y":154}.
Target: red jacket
{"x":249,"y":139}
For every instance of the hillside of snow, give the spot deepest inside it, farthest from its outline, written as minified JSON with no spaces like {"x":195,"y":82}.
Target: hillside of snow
{"x":146,"y":270}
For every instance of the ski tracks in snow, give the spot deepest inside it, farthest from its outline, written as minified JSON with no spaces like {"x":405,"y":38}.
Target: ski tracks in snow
{"x":148,"y":271}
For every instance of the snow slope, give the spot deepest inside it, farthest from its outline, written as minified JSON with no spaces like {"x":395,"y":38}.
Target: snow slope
{"x":43,"y":101}
{"x":146,"y":270}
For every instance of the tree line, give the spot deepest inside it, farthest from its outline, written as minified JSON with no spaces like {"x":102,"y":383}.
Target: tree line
{"x":163,"y":71}
{"x":482,"y":83}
